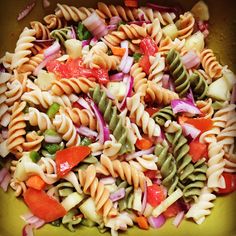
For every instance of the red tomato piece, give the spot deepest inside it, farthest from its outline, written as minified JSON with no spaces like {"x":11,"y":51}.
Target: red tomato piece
{"x":202,"y":124}
{"x":151,"y":110}
{"x":143,"y":144}
{"x":197,"y":150}
{"x":70,"y":157}
{"x":144,"y":63}
{"x":172,"y":210}
{"x":43,"y":206}
{"x":230,"y":182}
{"x":148,"y":46}
{"x":151,"y":174}
{"x":155,"y":195}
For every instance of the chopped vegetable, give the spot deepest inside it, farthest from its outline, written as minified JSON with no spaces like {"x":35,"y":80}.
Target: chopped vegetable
{"x":230,"y":182}
{"x":143,"y":144}
{"x":34,"y":156}
{"x":131,"y":3}
{"x":190,"y":59}
{"x":151,"y":174}
{"x":155,"y":195}
{"x":29,"y":7}
{"x":42,"y":205}
{"x":164,"y":8}
{"x":35,"y":182}
{"x":52,"y":110}
{"x":85,"y":142}
{"x":70,"y":157}
{"x":72,"y":200}
{"x":117,"y":51}
{"x":156,"y":222}
{"x":148,"y":46}
{"x":119,"y":194}
{"x":190,"y":131}
{"x":144,"y":63}
{"x":52,"y":50}
{"x":52,"y":148}
{"x":197,"y":150}
{"x":172,"y":210}
{"x":142,"y":222}
{"x":82,"y":32}
{"x":151,"y":110}
{"x":186,"y":106}
{"x":87,"y":132}
{"x":137,"y":56}
{"x":126,"y":61}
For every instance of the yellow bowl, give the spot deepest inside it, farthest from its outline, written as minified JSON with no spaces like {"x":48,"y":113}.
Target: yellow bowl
{"x":221,"y":222}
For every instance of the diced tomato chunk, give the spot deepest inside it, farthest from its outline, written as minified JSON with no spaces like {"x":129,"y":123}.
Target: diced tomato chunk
{"x":197,"y":150}
{"x":155,"y":195}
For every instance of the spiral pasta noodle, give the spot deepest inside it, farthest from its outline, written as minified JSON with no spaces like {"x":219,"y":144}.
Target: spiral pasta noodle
{"x":18,"y":186}
{"x":155,"y":31}
{"x":198,"y":85}
{"x":185,"y":25}
{"x":160,"y":95}
{"x":167,"y":166}
{"x":205,"y":106}
{"x":72,"y":85}
{"x":163,"y":115}
{"x":140,"y":80}
{"x":122,"y":169}
{"x":142,"y":117}
{"x":33,"y":141}
{"x":40,"y":119}
{"x":200,"y":209}
{"x":80,"y":117}
{"x":210,"y":64}
{"x":133,"y":31}
{"x":23,"y":46}
{"x":107,"y":11}
{"x":97,"y":190}
{"x":181,"y":78}
{"x":61,"y":34}
{"x":41,"y":31}
{"x":65,"y":127}
{"x":54,"y":22}
{"x":111,"y":117}
{"x":15,"y":90}
{"x":72,"y":13}
{"x":16,"y":129}
{"x":32,"y":64}
{"x":114,"y":38}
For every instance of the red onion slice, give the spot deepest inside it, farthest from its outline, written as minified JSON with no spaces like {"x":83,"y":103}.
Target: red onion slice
{"x":159,"y":8}
{"x":233,"y":95}
{"x":73,"y":34}
{"x":139,"y":154}
{"x":5,"y":182}
{"x":156,"y":222}
{"x":115,"y":20}
{"x":29,"y":7}
{"x":108,"y":93}
{"x":180,"y":105}
{"x":165,"y":81}
{"x":144,"y":200}
{"x":117,"y":77}
{"x":93,"y":41}
{"x":190,"y":131}
{"x":82,"y":102}
{"x":43,"y":40}
{"x":52,"y":138}
{"x":85,"y":42}
{"x":3,"y":173}
{"x":190,"y":59}
{"x":119,"y":194}
{"x":4,"y":133}
{"x":178,"y":219}
{"x":111,"y":27}
{"x":53,"y":49}
{"x":86,"y":132}
{"x":27,"y":230}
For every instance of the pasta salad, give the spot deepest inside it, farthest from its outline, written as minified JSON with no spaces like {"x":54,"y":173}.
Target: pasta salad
{"x":116,"y":116}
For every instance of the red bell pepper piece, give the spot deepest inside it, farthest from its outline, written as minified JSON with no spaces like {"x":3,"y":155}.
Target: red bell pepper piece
{"x":43,"y":206}
{"x":155,"y":195}
{"x":151,"y":174}
{"x":70,"y":157}
{"x":172,"y":210}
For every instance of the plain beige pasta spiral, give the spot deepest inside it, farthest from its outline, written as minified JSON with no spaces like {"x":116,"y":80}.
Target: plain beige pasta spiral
{"x":14,"y":92}
{"x":216,"y":165}
{"x":142,"y":118}
{"x":210,"y":64}
{"x":80,"y":117}
{"x":32,"y":64}
{"x":33,"y":142}
{"x":149,"y":14}
{"x":16,"y":129}
{"x":156,"y":70}
{"x":23,"y":46}
{"x":114,"y":38}
{"x":99,"y":193}
{"x":185,"y":25}
{"x":72,"y":85}
{"x":202,"y":208}
{"x":38,"y":48}
{"x":54,"y":22}
{"x":133,"y":31}
{"x":205,"y":107}
{"x":140,"y":80}
{"x":41,"y":30}
{"x":40,"y":119}
{"x":65,"y":127}
{"x":108,"y":11}
{"x":123,"y":170}
{"x":155,"y":31}
{"x":18,"y":186}
{"x":71,"y":13}
{"x":160,"y":95}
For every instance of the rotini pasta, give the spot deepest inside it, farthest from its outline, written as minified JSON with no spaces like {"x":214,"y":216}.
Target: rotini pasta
{"x":41,"y":31}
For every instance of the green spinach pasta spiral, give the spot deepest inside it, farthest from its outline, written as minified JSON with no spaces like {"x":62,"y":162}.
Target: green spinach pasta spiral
{"x":163,"y":115}
{"x":167,"y":166}
{"x":61,"y":34}
{"x":111,"y":116}
{"x":179,"y":73}
{"x":198,"y":85}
